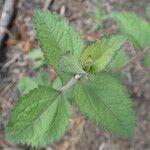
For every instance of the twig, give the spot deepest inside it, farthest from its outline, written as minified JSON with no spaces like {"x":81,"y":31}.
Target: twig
{"x":7,"y":14}
{"x":6,"y":103}
{"x":47,"y":4}
{"x":70,"y":83}
{"x":11,"y":61}
{"x":138,"y":56}
{"x":62,"y":10}
{"x":7,"y":87}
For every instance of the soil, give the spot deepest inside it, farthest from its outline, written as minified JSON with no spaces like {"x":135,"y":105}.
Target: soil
{"x":82,"y":134}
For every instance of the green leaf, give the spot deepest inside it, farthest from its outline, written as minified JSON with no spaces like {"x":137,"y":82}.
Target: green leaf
{"x":39,"y":117}
{"x":69,"y":64}
{"x":39,"y":63}
{"x":57,"y":83}
{"x":99,"y":14}
{"x":103,"y":100}
{"x":43,"y":78}
{"x":148,"y":10}
{"x":35,"y":54}
{"x":147,"y":60}
{"x":119,"y":76}
{"x":26,"y":84}
{"x":98,"y":55}
{"x":56,"y":36}
{"x":120,"y":60}
{"x":135,"y":26}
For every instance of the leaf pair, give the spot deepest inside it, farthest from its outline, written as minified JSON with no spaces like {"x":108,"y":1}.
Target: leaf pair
{"x":62,"y":46}
{"x":42,"y":115}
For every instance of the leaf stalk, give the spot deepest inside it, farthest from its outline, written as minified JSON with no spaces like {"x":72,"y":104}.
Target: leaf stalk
{"x":72,"y":81}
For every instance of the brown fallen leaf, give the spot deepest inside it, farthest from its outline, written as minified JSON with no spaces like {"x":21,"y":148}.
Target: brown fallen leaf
{"x":92,"y":36}
{"x":71,"y":18}
{"x":11,"y":42}
{"x":27,"y":46}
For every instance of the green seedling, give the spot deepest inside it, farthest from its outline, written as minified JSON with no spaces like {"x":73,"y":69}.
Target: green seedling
{"x":42,"y":114}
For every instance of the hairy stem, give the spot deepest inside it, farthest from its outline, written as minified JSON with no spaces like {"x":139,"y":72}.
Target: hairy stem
{"x":72,"y":81}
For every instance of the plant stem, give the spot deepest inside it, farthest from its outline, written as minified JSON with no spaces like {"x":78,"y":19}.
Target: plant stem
{"x":72,"y":81}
